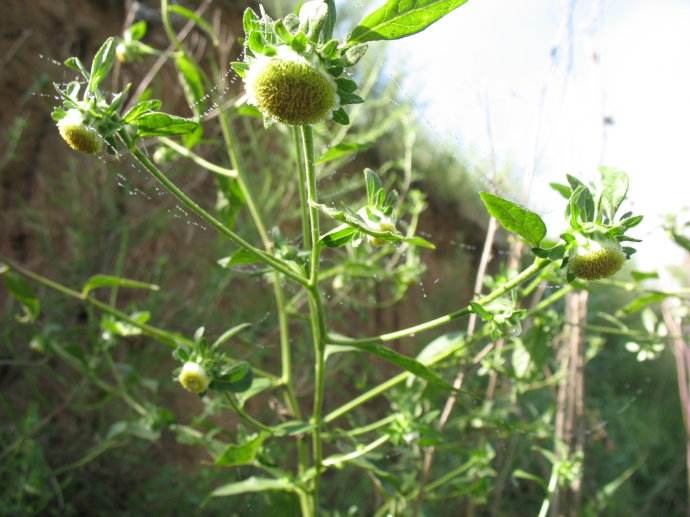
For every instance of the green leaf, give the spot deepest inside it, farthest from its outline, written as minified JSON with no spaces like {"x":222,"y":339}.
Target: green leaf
{"x":198,"y":20}
{"x":338,"y":236}
{"x":136,"y":31}
{"x":681,"y":240}
{"x":24,"y":294}
{"x":515,"y":218}
{"x":253,"y":484}
{"x":58,"y":114}
{"x":521,"y":360}
{"x":239,"y":67}
{"x":631,"y":222}
{"x":340,"y":116}
{"x":97,"y":281}
{"x":402,"y":361}
{"x":342,"y":150}
{"x":75,"y":64}
{"x":420,"y":242}
{"x":242,"y":454}
{"x":441,"y":346}
{"x":643,"y":301}
{"x":353,"y":54}
{"x":400,"y":18}
{"x":349,"y":98}
{"x":192,"y":79}
{"x":122,"y":328}
{"x":140,"y":108}
{"x":241,"y":257}
{"x":250,"y":21}
{"x":581,"y":205}
{"x":643,"y":275}
{"x":156,"y":123}
{"x":229,"y":334}
{"x":312,"y":17}
{"x":259,"y":384}
{"x":101,"y":64}
{"x":329,"y":24}
{"x":522,"y":474}
{"x":563,"y":190}
{"x":614,"y":189}
{"x":236,"y":378}
{"x":247,"y":110}
{"x":374,"y":185}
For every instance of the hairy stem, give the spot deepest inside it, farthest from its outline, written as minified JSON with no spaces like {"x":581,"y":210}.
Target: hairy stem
{"x":267,"y":258}
{"x":278,"y":294}
{"x":526,"y":274}
{"x":316,"y":311}
{"x":246,"y":417}
{"x":170,"y":339}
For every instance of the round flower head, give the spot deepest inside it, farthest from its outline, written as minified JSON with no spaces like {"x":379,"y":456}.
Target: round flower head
{"x":385,"y":225}
{"x":78,"y":135}
{"x":193,"y":378}
{"x":289,"y":88}
{"x":596,"y":258}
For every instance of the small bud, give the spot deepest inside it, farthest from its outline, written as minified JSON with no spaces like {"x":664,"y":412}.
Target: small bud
{"x":193,"y":378}
{"x":78,"y":135}
{"x":122,"y":53}
{"x":596,"y":258}
{"x":383,"y":226}
{"x":289,"y":88}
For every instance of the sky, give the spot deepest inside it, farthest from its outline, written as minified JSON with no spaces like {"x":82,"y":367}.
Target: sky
{"x":530,"y":83}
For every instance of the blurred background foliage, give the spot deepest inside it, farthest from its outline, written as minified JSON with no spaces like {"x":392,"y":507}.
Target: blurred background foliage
{"x":71,"y":444}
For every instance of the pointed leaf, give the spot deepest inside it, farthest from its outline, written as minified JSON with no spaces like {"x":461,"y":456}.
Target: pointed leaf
{"x":400,"y":18}
{"x":241,"y":454}
{"x":614,"y":189}
{"x":253,"y":484}
{"x":97,"y":281}
{"x":156,"y":123}
{"x":101,"y":64}
{"x":515,"y":218}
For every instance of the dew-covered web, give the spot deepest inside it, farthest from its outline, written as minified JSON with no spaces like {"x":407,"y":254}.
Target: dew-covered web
{"x":136,"y":181}
{"x":555,"y":87}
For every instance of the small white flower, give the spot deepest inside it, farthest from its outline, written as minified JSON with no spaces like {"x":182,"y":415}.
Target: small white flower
{"x":194,"y":378}
{"x":78,"y":135}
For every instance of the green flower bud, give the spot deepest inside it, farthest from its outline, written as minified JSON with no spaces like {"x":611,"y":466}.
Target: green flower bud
{"x":289,"y":88}
{"x":596,"y":258}
{"x":194,"y":378}
{"x":78,"y":135}
{"x":122,"y":53}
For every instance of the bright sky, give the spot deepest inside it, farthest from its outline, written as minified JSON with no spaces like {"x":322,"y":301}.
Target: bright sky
{"x":489,"y":63}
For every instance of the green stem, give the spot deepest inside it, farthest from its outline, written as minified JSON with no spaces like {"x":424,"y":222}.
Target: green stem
{"x":311,"y":202}
{"x":302,"y":186}
{"x":246,"y":417}
{"x":278,"y":294}
{"x":550,"y":491}
{"x":165,"y":337}
{"x":402,"y":377}
{"x":357,"y":431}
{"x":267,"y":258}
{"x":339,"y":459}
{"x":616,"y":331}
{"x":211,"y":167}
{"x":549,"y":300}
{"x":165,"y":16}
{"x":368,"y":395}
{"x":527,"y":273}
{"x":171,"y":340}
{"x":316,"y":311}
